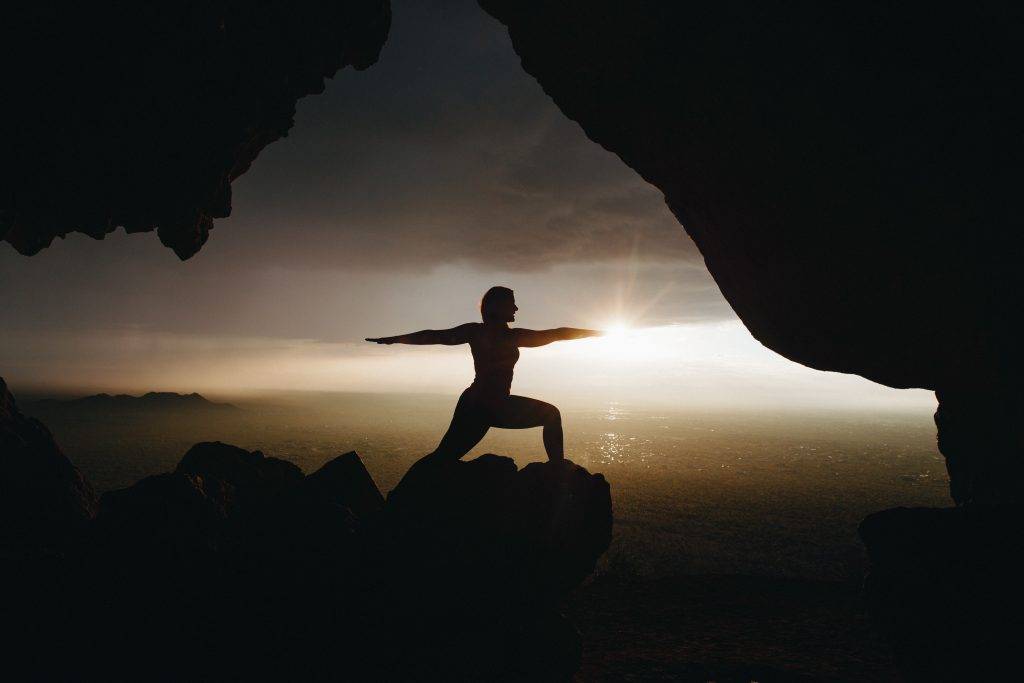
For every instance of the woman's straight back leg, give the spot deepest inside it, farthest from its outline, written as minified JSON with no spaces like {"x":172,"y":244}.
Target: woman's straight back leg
{"x":469,"y":425}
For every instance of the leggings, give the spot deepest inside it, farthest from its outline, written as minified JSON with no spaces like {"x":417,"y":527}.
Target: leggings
{"x":475,"y":414}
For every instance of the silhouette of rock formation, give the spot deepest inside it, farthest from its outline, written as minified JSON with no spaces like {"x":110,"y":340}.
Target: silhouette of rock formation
{"x":120,"y":406}
{"x":345,"y":481}
{"x":140,"y":115}
{"x":518,"y":541}
{"x":944,"y":587}
{"x":846,"y":171}
{"x":252,"y":478}
{"x":44,"y":500}
{"x":237,"y":564}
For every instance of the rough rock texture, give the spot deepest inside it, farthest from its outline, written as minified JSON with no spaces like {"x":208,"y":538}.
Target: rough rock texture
{"x":252,"y":478}
{"x":847,"y":171}
{"x":944,"y":587}
{"x":236,"y":565}
{"x":44,"y":501}
{"x":141,"y":114}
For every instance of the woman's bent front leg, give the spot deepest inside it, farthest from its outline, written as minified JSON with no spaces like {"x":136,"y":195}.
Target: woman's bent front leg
{"x":520,"y":412}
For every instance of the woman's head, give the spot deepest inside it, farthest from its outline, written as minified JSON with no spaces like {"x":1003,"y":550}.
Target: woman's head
{"x":498,"y":305}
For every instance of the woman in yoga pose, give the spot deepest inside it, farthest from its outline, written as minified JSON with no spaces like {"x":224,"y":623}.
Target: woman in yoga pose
{"x":488,"y":402}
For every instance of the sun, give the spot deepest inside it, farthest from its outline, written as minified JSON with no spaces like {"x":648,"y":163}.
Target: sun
{"x":618,"y":340}
{"x":616,"y":330}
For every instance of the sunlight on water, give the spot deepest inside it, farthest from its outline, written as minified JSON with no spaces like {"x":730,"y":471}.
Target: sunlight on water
{"x":621,"y":449}
{"x":616,"y":447}
{"x":614,"y":412}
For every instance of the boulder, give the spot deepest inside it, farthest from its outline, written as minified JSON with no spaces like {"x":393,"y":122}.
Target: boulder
{"x":254,"y":478}
{"x":560,"y":515}
{"x":343,"y":481}
{"x":550,"y":521}
{"x":480,"y":552}
{"x":435,"y":491}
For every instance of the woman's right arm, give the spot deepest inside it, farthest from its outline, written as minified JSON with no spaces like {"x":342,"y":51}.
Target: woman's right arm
{"x":450,"y":337}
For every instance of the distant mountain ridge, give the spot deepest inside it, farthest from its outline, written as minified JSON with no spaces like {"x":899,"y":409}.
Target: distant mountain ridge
{"x":153,"y":400}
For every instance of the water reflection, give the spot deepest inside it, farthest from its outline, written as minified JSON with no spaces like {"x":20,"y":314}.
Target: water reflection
{"x":619,"y":448}
{"x":615,"y":411}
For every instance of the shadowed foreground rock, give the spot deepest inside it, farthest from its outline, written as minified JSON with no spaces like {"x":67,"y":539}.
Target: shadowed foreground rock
{"x":944,"y":587}
{"x":251,"y":479}
{"x":499,"y":541}
{"x":44,"y":501}
{"x":238,"y":565}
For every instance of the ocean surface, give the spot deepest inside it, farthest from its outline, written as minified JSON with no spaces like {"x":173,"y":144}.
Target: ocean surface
{"x":774,"y":493}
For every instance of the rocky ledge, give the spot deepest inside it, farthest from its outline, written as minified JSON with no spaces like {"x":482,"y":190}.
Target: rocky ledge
{"x":240,"y":565}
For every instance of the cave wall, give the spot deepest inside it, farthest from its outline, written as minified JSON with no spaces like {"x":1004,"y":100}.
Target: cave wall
{"x":141,"y":114}
{"x":847,"y":171}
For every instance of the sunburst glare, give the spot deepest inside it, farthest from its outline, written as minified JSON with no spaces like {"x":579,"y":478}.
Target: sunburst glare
{"x":620,"y":342}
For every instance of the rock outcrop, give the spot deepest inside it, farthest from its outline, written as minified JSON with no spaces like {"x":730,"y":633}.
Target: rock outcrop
{"x":343,"y":481}
{"x":508,"y":542}
{"x":44,"y":500}
{"x":252,"y":479}
{"x":142,"y":115}
{"x":846,"y":171}
{"x":238,"y":565}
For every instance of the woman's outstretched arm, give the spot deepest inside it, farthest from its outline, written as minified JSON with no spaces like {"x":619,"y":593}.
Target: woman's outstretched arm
{"x":451,"y":337}
{"x":543,"y":337}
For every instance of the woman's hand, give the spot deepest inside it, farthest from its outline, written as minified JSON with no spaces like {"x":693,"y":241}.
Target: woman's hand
{"x":578,"y":333}
{"x":381,"y":340}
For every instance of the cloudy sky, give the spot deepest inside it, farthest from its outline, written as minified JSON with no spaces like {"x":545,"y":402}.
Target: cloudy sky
{"x":402,"y":193}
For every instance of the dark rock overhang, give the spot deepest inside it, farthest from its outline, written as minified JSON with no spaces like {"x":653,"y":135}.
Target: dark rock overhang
{"x":847,"y":170}
{"x":142,"y":114}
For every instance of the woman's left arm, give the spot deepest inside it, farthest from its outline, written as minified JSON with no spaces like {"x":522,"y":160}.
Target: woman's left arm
{"x":531,"y":338}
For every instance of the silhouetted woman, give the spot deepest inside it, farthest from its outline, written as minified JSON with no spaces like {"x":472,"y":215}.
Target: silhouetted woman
{"x":488,"y":402}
